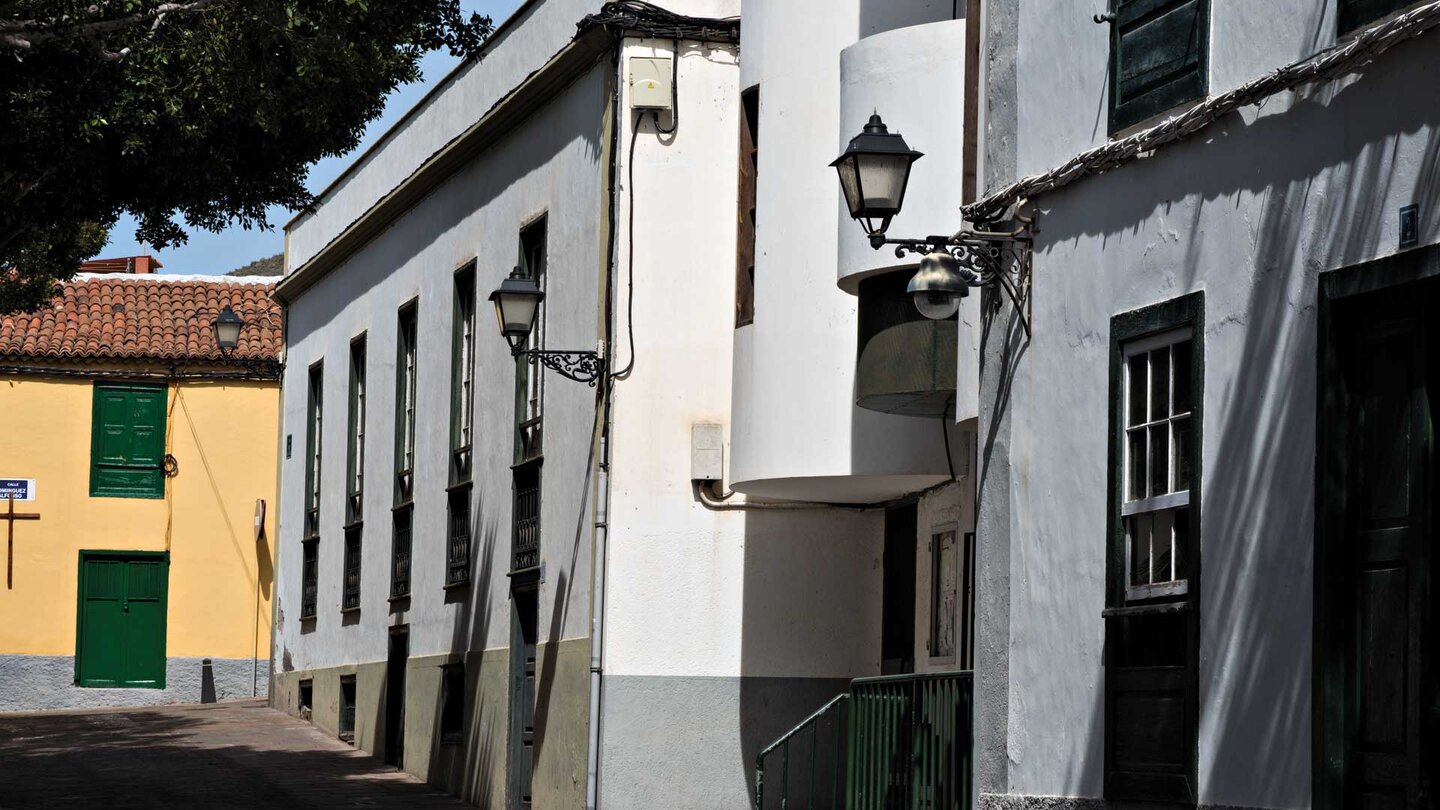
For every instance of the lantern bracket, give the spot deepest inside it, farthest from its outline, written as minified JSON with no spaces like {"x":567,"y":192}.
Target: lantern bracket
{"x":580,"y":366}
{"x":988,"y":258}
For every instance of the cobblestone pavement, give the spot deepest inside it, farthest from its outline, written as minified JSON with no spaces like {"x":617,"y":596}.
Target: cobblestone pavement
{"x":236,"y":754}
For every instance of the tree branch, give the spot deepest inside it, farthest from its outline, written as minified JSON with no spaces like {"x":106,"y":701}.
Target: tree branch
{"x":24,"y":34}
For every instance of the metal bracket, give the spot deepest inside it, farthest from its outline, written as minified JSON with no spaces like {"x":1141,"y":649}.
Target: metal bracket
{"x":582,"y":367}
{"x":999,"y":258}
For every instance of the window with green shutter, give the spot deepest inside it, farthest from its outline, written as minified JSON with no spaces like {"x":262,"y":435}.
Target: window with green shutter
{"x":1158,"y":57}
{"x":1351,"y":14}
{"x":127,"y":449}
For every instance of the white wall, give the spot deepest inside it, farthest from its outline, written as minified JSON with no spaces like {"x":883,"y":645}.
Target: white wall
{"x":551,"y":164}
{"x":915,"y":80}
{"x":1250,"y":211}
{"x":535,"y":33}
{"x":797,"y":433}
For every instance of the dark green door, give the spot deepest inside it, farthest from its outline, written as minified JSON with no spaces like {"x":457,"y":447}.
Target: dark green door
{"x":1376,"y":607}
{"x":120,"y":640}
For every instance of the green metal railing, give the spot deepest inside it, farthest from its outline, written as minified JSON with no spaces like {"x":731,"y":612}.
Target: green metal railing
{"x":906,"y":746}
{"x":910,"y":742}
{"x":834,"y":711}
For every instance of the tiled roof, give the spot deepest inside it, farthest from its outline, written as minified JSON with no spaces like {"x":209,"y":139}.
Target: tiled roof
{"x":145,"y":317}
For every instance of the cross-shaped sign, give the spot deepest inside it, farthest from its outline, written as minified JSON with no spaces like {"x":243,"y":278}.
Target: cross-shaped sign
{"x":10,"y":516}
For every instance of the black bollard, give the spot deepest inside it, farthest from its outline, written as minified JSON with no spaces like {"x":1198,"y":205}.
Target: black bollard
{"x":207,"y":682}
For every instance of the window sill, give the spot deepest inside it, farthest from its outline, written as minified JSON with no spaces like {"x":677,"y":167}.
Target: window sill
{"x":1128,"y":611}
{"x":355,"y":609}
{"x":456,"y":586}
{"x":399,"y":597}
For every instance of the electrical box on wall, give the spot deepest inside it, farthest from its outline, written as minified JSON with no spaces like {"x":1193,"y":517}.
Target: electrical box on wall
{"x":650,"y":83}
{"x":707,"y":453}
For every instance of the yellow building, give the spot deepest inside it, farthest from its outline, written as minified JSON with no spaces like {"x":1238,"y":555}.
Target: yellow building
{"x":149,"y":456}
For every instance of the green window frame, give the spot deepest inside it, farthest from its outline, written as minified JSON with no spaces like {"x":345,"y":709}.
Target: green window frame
{"x":121,"y":609}
{"x":1152,"y":614}
{"x":1352,"y":14}
{"x":407,"y":392}
{"x":529,"y":380}
{"x":314,"y":424}
{"x":1159,"y":57}
{"x":462,"y":377}
{"x":355,"y":446}
{"x":127,"y":441}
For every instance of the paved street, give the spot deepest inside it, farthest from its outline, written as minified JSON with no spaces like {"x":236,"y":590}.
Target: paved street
{"x":238,"y":754}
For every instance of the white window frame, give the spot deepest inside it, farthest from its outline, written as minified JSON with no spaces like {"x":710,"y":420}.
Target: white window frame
{"x":1168,"y":501}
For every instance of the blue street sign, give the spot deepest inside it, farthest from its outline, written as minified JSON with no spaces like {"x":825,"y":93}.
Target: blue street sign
{"x":17,"y":489}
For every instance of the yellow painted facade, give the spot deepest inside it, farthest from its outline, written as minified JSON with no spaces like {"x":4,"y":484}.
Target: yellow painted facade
{"x":223,"y":435}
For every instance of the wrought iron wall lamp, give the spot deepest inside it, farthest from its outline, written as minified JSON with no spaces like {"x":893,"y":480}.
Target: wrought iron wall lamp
{"x":517,"y":303}
{"x":874,"y":173}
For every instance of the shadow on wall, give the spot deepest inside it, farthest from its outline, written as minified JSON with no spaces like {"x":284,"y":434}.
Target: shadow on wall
{"x":886,"y":15}
{"x":1321,"y":206}
{"x":810,"y":623}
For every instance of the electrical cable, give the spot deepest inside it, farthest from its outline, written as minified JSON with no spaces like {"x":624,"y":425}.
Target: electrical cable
{"x":674,"y":95}
{"x":630,"y":252}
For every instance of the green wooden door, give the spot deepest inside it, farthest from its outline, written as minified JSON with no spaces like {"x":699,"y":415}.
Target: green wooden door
{"x":1377,"y":606}
{"x":121,"y":633}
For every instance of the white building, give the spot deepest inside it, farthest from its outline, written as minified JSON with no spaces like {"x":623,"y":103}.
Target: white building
{"x":1234,"y":359}
{"x":535,"y":592}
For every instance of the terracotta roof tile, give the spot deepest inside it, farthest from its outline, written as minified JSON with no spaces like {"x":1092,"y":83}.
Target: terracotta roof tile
{"x":145,"y":317}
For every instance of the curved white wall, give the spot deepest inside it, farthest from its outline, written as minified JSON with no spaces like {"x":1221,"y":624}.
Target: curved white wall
{"x":796,"y":431}
{"x":915,"y":78}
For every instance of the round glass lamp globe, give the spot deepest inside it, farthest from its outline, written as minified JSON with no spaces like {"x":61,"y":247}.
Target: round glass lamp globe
{"x":937,"y":305}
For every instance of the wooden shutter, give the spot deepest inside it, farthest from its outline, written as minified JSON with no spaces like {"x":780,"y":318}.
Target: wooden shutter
{"x":1159,"y":57}
{"x":128,"y":441}
{"x":1352,"y":14}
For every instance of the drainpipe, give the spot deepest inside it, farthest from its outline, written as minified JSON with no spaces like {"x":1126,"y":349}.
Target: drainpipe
{"x":599,"y":553}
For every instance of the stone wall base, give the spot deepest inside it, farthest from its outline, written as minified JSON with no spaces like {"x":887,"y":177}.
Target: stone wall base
{"x":33,"y":683}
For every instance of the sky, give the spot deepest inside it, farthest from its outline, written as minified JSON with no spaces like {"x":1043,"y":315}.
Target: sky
{"x":218,"y":253}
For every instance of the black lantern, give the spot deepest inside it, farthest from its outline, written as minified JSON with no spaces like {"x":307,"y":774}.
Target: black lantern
{"x":516,"y":304}
{"x":874,"y":171}
{"x":227,"y":328}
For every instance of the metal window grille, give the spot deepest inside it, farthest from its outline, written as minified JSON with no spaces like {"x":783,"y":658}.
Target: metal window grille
{"x":351,"y":597}
{"x":458,"y":557}
{"x":309,"y":579}
{"x":400,"y":553}
{"x":526,"y":551}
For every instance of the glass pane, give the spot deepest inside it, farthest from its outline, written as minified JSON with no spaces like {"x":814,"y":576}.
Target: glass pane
{"x":1138,"y":391}
{"x":1183,"y":373}
{"x":1135,"y":466}
{"x":1159,"y":460}
{"x":1183,"y":453}
{"x":1160,"y":546}
{"x":1138,"y":529}
{"x":1182,"y":543}
{"x":882,"y":180}
{"x":1160,"y":383}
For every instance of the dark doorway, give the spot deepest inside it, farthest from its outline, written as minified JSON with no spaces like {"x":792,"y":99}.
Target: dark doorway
{"x":395,"y":696}
{"x":1378,"y":739}
{"x":524,"y":635}
{"x":897,"y":622}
